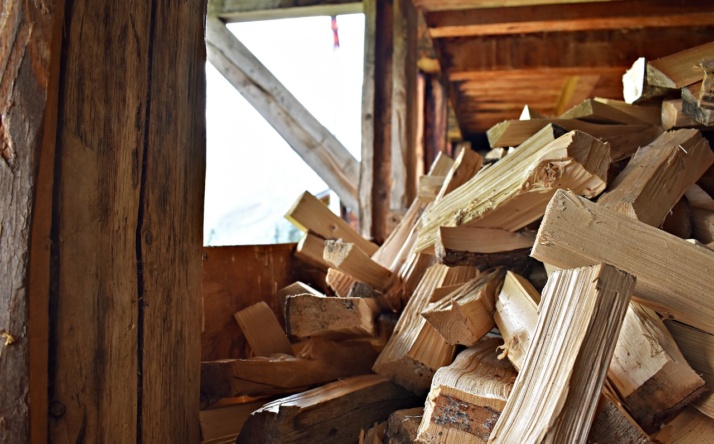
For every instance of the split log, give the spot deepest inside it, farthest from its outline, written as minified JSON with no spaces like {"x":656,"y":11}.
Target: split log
{"x":658,"y":175}
{"x":349,"y":259}
{"x":309,"y":214}
{"x":649,"y":372}
{"x":294,"y":289}
{"x":698,"y":348}
{"x":482,"y":247}
{"x":466,"y":315}
{"x":262,"y":330}
{"x":308,"y":315}
{"x":467,"y":396}
{"x":690,"y":426}
{"x":613,"y":424}
{"x":375,"y":434}
{"x":310,"y":248}
{"x":415,"y":350}
{"x":466,"y":164}
{"x":673,"y":276}
{"x":402,"y":426}
{"x":318,"y":362}
{"x":514,"y":192}
{"x":649,"y":114}
{"x":568,"y":358}
{"x":515,"y":132}
{"x":333,"y":413}
{"x":494,"y":155}
{"x":339,"y":282}
{"x":516,"y":317}
{"x":691,"y":107}
{"x":673,"y":116}
{"x":677,"y":70}
{"x":592,"y":110}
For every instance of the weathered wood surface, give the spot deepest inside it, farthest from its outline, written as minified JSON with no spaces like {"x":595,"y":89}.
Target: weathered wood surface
{"x":467,"y":396}
{"x":658,"y":175}
{"x":236,"y":277}
{"x":304,"y":133}
{"x":127,"y":224}
{"x":30,"y":36}
{"x":332,"y":413}
{"x":580,"y":317}
{"x":673,"y":276}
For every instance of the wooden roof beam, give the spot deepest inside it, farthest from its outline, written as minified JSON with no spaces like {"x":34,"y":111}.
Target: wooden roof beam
{"x":568,"y":17}
{"x":253,"y":10}
{"x":319,"y":148}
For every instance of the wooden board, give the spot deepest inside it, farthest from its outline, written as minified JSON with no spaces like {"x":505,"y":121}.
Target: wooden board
{"x":673,"y":276}
{"x":332,"y":413}
{"x":234,"y":278}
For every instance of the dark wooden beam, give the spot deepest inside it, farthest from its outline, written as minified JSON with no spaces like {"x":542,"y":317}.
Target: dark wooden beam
{"x":568,"y":17}
{"x":582,"y":49}
{"x":317,"y":146}
{"x":251,"y":10}
{"x":445,"y":5}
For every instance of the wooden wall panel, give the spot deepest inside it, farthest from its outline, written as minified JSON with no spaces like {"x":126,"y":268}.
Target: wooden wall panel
{"x":237,"y":277}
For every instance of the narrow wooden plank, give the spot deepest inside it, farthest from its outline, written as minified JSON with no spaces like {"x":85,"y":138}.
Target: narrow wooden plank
{"x":565,"y":17}
{"x":369,"y":103}
{"x":262,"y":330}
{"x":332,"y":413}
{"x":673,"y":276}
{"x":646,"y":114}
{"x":568,"y":358}
{"x":99,"y":184}
{"x":319,"y":148}
{"x":29,"y":76}
{"x":309,"y":214}
{"x":171,"y":210}
{"x":592,"y":110}
{"x":467,"y":396}
{"x":698,"y":348}
{"x":658,"y":175}
{"x":466,"y":315}
{"x":649,"y":372}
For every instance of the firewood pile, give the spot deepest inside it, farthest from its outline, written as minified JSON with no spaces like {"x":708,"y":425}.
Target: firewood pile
{"x":558,"y":289}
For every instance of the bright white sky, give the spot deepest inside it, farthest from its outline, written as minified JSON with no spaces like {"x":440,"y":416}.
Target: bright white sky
{"x":252,"y":174}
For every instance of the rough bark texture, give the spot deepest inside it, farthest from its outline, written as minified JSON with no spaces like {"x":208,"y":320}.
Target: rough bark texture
{"x":26,"y":42}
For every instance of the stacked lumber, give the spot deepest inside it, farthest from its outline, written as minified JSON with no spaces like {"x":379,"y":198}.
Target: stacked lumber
{"x":441,"y":334}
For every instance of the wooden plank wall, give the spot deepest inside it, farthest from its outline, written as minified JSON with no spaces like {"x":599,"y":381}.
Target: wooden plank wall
{"x":103,"y":135}
{"x":237,"y":277}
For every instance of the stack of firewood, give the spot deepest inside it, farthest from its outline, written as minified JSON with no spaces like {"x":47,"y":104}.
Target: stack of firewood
{"x":559,"y":290}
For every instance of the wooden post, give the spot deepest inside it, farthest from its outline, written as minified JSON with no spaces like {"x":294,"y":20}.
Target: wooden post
{"x":126,"y":224}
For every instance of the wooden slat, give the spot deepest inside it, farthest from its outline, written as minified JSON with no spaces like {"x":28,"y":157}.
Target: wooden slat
{"x":367,"y":179}
{"x":673,"y":276}
{"x":319,"y":148}
{"x":438,"y":5}
{"x":29,"y":73}
{"x":566,"y":17}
